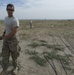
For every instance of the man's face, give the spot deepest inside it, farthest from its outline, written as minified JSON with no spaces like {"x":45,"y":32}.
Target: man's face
{"x":10,"y":10}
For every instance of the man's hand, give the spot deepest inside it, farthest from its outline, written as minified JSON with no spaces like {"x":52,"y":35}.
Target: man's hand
{"x":1,"y":37}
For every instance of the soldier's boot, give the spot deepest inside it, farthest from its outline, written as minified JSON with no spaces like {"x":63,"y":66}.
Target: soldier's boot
{"x":15,"y":71}
{"x":3,"y":72}
{"x":15,"y":68}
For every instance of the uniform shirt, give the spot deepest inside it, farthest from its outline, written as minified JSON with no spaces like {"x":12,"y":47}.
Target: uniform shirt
{"x":9,"y":23}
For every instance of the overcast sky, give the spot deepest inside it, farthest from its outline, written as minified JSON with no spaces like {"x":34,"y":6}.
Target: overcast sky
{"x":39,"y":9}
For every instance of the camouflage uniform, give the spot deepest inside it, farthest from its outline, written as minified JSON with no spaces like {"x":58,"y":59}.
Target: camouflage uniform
{"x":10,"y":47}
{"x":30,"y":23}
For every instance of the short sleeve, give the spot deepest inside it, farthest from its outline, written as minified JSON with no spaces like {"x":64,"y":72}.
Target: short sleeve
{"x":15,"y":23}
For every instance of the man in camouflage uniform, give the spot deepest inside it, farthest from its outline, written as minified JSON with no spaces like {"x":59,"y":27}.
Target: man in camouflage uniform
{"x":10,"y":41}
{"x":30,"y":23}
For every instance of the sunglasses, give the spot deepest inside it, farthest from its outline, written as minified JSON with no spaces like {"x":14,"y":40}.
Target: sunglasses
{"x":10,"y":9}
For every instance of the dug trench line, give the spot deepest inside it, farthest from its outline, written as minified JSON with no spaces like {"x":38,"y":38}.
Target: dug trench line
{"x":68,"y":49}
{"x":51,"y":64}
{"x":58,"y":57}
{"x":68,"y":45}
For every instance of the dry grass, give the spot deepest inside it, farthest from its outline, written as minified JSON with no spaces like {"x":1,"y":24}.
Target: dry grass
{"x":43,"y":28}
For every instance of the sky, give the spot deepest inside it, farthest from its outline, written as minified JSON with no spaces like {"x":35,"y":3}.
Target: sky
{"x":39,"y":9}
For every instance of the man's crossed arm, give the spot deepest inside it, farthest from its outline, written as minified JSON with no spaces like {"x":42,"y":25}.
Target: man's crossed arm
{"x":10,"y":35}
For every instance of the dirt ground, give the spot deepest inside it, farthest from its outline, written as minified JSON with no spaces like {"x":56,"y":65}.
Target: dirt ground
{"x":46,"y":49}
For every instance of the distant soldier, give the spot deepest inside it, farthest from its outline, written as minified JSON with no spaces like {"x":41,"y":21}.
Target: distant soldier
{"x":10,"y":41}
{"x":30,"y":23}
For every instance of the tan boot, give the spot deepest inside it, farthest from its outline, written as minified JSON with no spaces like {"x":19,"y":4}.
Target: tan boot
{"x":15,"y":71}
{"x":3,"y":73}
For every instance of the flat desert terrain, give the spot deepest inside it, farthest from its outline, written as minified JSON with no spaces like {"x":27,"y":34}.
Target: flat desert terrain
{"x":46,"y":49}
